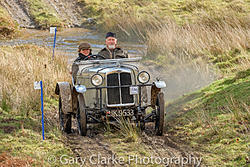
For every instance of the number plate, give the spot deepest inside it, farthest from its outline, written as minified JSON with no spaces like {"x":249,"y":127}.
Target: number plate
{"x":133,"y":90}
{"x":122,"y":113}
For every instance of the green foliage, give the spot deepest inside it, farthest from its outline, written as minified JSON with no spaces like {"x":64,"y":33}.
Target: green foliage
{"x":43,"y":15}
{"x":221,"y":131}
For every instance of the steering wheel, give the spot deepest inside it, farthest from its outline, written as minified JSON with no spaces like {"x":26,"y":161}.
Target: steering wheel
{"x":99,"y":57}
{"x":94,"y":57}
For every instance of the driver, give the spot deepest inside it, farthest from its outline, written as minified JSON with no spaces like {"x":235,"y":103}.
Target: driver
{"x":84,"y":52}
{"x":112,"y":51}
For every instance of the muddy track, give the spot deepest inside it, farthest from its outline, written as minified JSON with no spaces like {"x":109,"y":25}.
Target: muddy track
{"x":87,"y":146}
{"x":92,"y":144}
{"x":95,"y":143}
{"x":82,"y":146}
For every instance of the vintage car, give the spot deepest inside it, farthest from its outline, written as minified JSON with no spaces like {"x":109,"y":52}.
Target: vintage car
{"x":104,"y":90}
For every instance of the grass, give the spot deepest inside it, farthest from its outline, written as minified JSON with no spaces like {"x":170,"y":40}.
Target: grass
{"x":43,"y":14}
{"x":128,"y":130}
{"x":21,"y":139}
{"x":20,"y":115}
{"x":8,"y":27}
{"x":20,"y":67}
{"x":121,"y":14}
{"x":221,"y":133}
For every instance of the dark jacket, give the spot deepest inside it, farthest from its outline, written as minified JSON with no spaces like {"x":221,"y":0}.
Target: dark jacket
{"x":81,"y":57}
{"x":75,"y":67}
{"x":113,"y":54}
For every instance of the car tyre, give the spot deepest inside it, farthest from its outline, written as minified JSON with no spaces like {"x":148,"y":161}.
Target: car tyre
{"x":160,"y":109}
{"x":81,"y":116}
{"x":65,"y":120}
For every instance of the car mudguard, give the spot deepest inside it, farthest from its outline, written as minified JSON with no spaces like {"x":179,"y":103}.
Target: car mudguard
{"x":63,"y":89}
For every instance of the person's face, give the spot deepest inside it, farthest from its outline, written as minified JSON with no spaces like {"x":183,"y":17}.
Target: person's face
{"x":111,"y":42}
{"x":85,"y":52}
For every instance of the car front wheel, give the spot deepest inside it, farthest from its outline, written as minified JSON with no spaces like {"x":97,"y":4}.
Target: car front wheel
{"x":65,"y":119}
{"x":81,"y":116}
{"x":160,"y":108}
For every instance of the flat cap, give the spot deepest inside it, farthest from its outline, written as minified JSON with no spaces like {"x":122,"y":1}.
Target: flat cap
{"x":83,"y":46}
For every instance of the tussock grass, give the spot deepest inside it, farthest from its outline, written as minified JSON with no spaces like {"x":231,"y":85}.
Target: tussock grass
{"x":128,"y":130}
{"x":8,"y":27}
{"x":20,"y":67}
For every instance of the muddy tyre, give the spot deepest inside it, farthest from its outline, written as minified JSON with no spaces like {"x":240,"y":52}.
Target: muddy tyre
{"x":65,"y":120}
{"x":160,"y":109}
{"x":81,"y":116}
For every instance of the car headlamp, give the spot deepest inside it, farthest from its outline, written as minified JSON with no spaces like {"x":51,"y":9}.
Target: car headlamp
{"x":143,"y":77}
{"x":97,"y":80}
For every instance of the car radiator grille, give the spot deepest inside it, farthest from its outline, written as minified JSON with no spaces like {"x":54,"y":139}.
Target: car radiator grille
{"x":119,"y":95}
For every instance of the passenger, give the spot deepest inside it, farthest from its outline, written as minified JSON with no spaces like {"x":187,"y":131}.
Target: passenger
{"x":84,"y":52}
{"x":112,"y":51}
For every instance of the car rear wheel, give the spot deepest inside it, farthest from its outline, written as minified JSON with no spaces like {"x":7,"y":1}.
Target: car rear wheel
{"x":64,"y":119}
{"x":142,"y":125}
{"x":160,"y":108}
{"x":81,"y":116}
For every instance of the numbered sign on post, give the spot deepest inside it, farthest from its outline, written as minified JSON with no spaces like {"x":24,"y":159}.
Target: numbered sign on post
{"x":37,"y":85}
{"x":52,"y":30}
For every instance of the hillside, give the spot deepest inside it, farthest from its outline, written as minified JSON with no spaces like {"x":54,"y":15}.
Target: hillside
{"x":44,"y":13}
{"x":215,"y":121}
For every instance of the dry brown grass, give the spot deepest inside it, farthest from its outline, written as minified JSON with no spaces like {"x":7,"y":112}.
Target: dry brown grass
{"x":22,"y":65}
{"x":8,"y":27}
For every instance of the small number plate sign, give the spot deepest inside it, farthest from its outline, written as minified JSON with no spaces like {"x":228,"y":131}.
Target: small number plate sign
{"x":133,"y":90}
{"x":37,"y":85}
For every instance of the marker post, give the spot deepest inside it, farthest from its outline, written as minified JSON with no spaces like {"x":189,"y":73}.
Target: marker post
{"x":53,"y":30}
{"x":39,"y":85}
